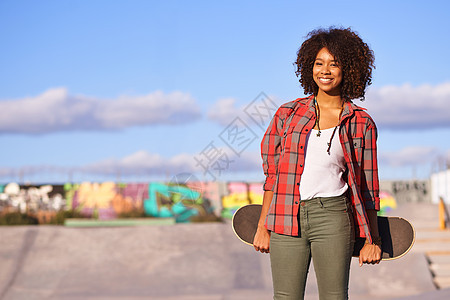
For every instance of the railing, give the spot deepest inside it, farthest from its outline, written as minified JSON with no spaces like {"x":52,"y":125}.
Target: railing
{"x":444,"y":216}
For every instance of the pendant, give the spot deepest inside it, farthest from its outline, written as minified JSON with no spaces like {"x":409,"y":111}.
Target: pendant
{"x":318,"y":133}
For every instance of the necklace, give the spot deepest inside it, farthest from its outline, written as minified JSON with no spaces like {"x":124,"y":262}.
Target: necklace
{"x":316,"y":105}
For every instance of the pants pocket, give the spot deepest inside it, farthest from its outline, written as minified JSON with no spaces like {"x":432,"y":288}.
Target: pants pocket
{"x":339,"y":204}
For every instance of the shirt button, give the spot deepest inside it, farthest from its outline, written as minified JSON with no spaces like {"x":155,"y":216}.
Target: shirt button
{"x":301,"y":166}
{"x":296,"y":202}
{"x":298,"y":183}
{"x":306,"y":130}
{"x":301,"y":147}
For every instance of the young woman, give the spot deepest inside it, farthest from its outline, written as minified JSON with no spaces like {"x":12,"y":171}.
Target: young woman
{"x":320,"y":161}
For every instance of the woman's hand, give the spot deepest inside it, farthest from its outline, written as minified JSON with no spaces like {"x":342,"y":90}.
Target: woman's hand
{"x":261,"y":241}
{"x":370,"y":254}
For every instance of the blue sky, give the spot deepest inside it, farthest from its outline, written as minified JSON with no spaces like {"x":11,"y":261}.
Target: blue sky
{"x":144,"y":90}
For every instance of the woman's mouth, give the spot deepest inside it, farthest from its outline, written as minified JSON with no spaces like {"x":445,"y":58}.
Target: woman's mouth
{"x":325,"y":80}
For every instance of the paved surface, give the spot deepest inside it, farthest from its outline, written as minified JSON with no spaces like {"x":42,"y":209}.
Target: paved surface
{"x":430,"y":240}
{"x":192,"y":261}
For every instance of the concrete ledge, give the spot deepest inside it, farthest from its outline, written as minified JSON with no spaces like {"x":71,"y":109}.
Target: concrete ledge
{"x":436,"y":295}
{"x":118,"y":222}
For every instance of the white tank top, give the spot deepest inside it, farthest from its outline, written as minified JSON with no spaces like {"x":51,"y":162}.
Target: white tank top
{"x":322,"y":172}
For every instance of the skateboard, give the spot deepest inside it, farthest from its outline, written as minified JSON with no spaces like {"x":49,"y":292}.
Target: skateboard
{"x":397,"y":234}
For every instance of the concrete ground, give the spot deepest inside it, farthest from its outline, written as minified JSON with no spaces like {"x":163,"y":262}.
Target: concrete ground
{"x":194,"y":261}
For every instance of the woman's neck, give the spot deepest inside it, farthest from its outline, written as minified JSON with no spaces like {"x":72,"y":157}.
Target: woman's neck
{"x":328,"y":101}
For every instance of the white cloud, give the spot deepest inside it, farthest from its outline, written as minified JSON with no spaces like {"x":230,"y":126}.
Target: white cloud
{"x":224,"y":111}
{"x":407,"y":107}
{"x":56,"y":110}
{"x":142,"y":163}
{"x":7,"y":172}
{"x":258,"y":111}
{"x":28,"y":170}
{"x":246,"y":161}
{"x":226,"y":160}
{"x":155,"y":108}
{"x":412,"y":155}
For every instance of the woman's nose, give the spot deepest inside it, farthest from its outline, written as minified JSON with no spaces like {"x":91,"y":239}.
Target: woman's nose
{"x":325,"y":70}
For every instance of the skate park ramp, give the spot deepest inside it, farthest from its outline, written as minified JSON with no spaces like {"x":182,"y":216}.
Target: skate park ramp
{"x":185,"y":261}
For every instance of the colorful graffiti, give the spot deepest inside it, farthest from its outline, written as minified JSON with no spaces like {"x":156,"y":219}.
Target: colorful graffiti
{"x":177,"y":201}
{"x":31,"y":197}
{"x":105,"y":200}
{"x":109,"y":200}
{"x":387,"y":203}
{"x":240,"y":194}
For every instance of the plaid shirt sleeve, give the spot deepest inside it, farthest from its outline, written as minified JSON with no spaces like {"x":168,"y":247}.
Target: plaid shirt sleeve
{"x":360,"y":148}
{"x":369,"y":173}
{"x":270,"y":150}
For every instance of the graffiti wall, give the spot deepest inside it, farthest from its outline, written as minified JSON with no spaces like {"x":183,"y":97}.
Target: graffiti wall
{"x":240,"y":194}
{"x":213,"y":191}
{"x":109,"y":200}
{"x":177,"y":201}
{"x":105,"y":200}
{"x":31,"y":197}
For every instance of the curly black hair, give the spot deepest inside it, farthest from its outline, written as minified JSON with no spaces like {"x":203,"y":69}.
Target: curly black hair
{"x":354,"y":57}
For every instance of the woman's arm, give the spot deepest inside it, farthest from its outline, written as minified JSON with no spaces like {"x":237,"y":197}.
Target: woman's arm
{"x":270,"y":153}
{"x":371,"y":253}
{"x":261,"y":240}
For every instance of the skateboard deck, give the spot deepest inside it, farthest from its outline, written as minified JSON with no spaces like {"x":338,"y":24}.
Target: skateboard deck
{"x":397,"y":234}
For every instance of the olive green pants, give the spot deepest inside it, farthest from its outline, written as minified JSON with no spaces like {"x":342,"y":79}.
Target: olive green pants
{"x":327,"y":236}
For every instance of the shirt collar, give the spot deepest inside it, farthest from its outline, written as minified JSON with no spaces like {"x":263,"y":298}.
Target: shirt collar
{"x":348,"y":111}
{"x":311,"y":105}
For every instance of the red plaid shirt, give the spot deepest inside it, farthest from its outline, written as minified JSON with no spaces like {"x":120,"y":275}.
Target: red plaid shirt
{"x":283,"y":153}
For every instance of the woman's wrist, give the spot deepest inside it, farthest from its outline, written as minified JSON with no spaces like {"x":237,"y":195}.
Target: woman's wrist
{"x":376,"y":240}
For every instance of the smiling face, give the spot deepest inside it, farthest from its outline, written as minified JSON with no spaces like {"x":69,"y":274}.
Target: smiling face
{"x":327,"y":73}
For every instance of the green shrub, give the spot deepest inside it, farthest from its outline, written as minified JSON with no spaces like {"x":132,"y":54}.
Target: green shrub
{"x":17,"y":218}
{"x":62,"y":215}
{"x":205,"y":218}
{"x":136,"y":213}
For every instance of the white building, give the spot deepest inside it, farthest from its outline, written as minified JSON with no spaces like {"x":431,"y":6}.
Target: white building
{"x":440,"y":186}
